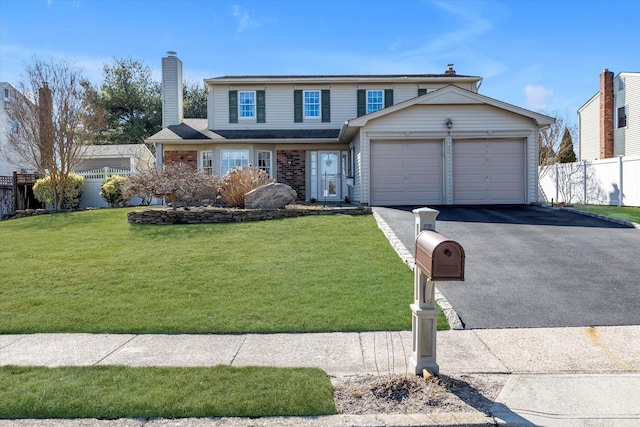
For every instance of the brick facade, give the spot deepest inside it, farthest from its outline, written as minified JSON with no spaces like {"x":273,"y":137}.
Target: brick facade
{"x":189,"y":157}
{"x":292,"y":170}
{"x":606,"y":114}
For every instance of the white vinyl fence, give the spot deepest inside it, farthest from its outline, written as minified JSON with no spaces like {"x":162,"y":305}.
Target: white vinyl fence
{"x":614,"y":181}
{"x":92,"y":183}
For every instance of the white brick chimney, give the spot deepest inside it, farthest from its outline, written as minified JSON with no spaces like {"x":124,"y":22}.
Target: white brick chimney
{"x":172,"y":95}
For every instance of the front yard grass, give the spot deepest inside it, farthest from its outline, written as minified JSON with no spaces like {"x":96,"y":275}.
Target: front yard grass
{"x":124,"y":392}
{"x":92,"y":271}
{"x":627,"y":213}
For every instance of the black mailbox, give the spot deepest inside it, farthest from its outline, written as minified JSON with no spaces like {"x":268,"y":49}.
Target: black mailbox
{"x":439,"y":258}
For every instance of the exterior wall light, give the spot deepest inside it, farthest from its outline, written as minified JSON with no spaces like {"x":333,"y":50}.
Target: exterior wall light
{"x":449,"y":123}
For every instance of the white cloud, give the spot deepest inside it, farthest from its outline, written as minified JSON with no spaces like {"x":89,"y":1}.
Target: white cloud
{"x":244,"y":20}
{"x":537,"y":97}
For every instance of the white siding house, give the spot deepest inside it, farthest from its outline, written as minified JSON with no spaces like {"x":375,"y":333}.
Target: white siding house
{"x":620,"y":116}
{"x":7,"y":96}
{"x":372,"y":139}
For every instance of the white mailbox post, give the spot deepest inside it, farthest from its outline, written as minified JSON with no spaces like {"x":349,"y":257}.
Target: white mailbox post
{"x":437,"y":259}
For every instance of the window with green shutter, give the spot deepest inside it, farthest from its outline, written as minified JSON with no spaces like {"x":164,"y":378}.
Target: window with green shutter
{"x":362,"y":102}
{"x":388,"y":98}
{"x":233,"y":106}
{"x":261,"y":116}
{"x":297,"y":106}
{"x":326,"y":106}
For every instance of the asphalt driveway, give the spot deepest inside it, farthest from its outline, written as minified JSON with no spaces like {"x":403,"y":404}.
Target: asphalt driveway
{"x":529,"y":266}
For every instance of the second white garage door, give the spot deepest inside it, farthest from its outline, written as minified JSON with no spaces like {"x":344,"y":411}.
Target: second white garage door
{"x":488,"y":172}
{"x":406,"y":173}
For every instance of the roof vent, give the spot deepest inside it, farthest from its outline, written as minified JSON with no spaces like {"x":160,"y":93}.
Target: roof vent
{"x":450,"y":71}
{"x":171,"y":53}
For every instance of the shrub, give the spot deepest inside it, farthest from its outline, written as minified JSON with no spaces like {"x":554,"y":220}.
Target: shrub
{"x":44,"y":192}
{"x":112,"y":191}
{"x":239,"y":181}
{"x":175,"y":182}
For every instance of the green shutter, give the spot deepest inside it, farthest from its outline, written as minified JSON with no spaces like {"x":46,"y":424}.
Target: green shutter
{"x":388,"y":98}
{"x":297,"y":106}
{"x":261,"y":116}
{"x":362,"y":102}
{"x":422,"y":92}
{"x":326,"y":106}
{"x":233,"y":106}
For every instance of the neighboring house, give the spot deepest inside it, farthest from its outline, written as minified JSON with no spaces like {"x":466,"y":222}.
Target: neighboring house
{"x":7,"y":96}
{"x":374,"y":139}
{"x":131,"y":157}
{"x":609,"y":124}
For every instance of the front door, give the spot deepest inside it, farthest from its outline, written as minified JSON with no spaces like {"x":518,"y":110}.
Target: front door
{"x":329,"y":184}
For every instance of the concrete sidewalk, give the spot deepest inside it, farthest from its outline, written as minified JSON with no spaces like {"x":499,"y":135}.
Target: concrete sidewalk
{"x":555,"y":377}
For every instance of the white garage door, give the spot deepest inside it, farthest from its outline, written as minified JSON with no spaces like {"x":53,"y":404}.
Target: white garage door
{"x":406,"y":173}
{"x":488,"y":172}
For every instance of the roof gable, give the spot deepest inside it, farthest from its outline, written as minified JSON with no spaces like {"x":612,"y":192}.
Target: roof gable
{"x":448,"y":95}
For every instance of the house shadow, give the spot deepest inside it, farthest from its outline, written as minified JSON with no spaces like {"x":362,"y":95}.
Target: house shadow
{"x":472,"y":397}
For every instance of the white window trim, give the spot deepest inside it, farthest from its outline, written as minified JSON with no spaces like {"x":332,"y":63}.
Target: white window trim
{"x":304,"y":104}
{"x":222,"y":156}
{"x":201,"y":166}
{"x":270,"y":160}
{"x":367,"y":100}
{"x":254,"y":105}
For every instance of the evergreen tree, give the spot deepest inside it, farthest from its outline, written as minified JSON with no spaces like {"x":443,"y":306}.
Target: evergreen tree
{"x":565,"y":151}
{"x":195,"y":101}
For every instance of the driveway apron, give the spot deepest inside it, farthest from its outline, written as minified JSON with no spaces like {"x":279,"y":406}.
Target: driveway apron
{"x":530,"y":266}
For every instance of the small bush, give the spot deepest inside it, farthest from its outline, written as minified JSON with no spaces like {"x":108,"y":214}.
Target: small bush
{"x":44,"y":192}
{"x":239,"y":181}
{"x":176,"y":182}
{"x":112,"y":191}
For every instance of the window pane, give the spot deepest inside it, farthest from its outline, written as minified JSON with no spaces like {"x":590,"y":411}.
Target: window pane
{"x":312,"y":103}
{"x":375,"y":100}
{"x":207,"y":162}
{"x":232,"y":159}
{"x":264,"y":161}
{"x":247,"y":102}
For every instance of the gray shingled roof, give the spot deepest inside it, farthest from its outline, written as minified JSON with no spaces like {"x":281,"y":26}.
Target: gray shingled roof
{"x":185,"y":131}
{"x":338,"y":76}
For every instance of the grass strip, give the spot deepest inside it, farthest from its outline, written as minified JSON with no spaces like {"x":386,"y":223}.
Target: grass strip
{"x":92,"y":271}
{"x":125,"y":392}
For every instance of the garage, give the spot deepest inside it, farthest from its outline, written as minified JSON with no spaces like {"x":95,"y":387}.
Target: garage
{"x":406,"y":172}
{"x":490,"y":171}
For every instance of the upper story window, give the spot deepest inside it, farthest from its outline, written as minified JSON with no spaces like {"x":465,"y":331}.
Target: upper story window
{"x":247,"y":103}
{"x":6,"y":93}
{"x":622,"y":117}
{"x":311,"y":103}
{"x":375,"y":100}
{"x":620,"y":84}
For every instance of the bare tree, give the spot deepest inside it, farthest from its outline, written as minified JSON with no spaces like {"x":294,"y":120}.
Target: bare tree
{"x":549,"y":140}
{"x":54,"y":118}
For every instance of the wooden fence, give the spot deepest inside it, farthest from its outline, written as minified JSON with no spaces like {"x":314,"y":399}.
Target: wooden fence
{"x":614,"y":181}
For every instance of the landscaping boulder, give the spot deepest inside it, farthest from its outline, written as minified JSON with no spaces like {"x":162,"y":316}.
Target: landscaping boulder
{"x":270,"y":196}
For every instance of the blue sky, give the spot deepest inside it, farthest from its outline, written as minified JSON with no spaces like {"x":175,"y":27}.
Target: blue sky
{"x":541,"y":55}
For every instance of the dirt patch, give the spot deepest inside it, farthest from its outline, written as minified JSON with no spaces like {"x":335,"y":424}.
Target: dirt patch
{"x":411,"y":394}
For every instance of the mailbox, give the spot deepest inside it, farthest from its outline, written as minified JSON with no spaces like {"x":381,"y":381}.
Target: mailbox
{"x":439,"y":258}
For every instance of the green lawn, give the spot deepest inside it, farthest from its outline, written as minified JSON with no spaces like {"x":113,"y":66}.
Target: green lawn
{"x":92,"y":271}
{"x":627,"y":213}
{"x":123,"y":392}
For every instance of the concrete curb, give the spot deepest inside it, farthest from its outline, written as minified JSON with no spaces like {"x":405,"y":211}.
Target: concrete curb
{"x":619,"y":221}
{"x":378,"y":420}
{"x":405,"y":255}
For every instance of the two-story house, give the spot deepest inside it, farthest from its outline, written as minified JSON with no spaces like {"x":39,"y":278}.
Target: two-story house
{"x":609,"y":124}
{"x":374,"y":139}
{"x":7,"y":96}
